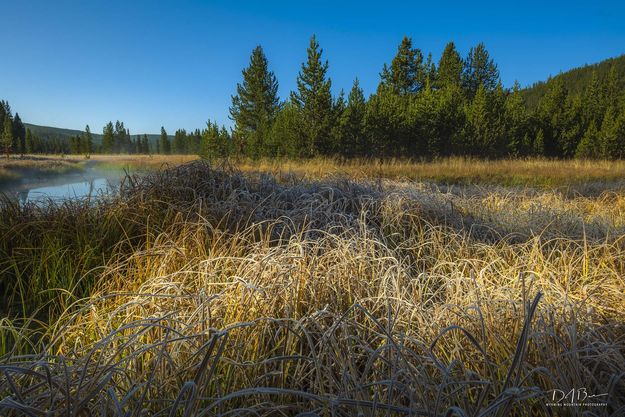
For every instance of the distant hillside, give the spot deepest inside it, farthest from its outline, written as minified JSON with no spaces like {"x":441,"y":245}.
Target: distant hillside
{"x":48,"y":132}
{"x":577,"y":79}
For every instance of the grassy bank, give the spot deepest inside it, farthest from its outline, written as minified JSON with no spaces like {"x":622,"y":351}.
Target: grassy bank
{"x":206,"y":291}
{"x":16,"y":168}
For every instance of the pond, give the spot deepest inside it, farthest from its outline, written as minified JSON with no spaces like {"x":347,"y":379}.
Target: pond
{"x":89,"y":183}
{"x":58,"y":193}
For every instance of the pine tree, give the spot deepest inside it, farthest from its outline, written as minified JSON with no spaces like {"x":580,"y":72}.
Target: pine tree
{"x":479,"y":69}
{"x":429,"y":71}
{"x":619,"y":136}
{"x":451,"y":119}
{"x":484,"y":128}
{"x":406,"y":73}
{"x":256,"y":104}
{"x":338,"y":107}
{"x":538,"y":146}
{"x":74,"y":145}
{"x":197,"y":140}
{"x":87,"y":141}
{"x":2,"y":114}
{"x":145,"y":145}
{"x":516,"y":120}
{"x":225,"y":142}
{"x":29,"y":142}
{"x":570,"y":126}
{"x":209,"y":141}
{"x":593,"y":101}
{"x":313,"y":100}
{"x":5,"y":111}
{"x":612,"y":145}
{"x":179,"y":144}
{"x":19,"y":135}
{"x":285,"y":139}
{"x":138,"y":145}
{"x":551,"y":114}
{"x":128,"y":147}
{"x":477,"y":126}
{"x":165,"y":147}
{"x":449,"y":68}
{"x":108,"y":138}
{"x":612,"y":93}
{"x":7,"y":135}
{"x":351,"y":123}
{"x":498,"y":123}
{"x":387,"y":124}
{"x":216,"y":142}
{"x":424,"y":140}
{"x":589,"y":146}
{"x":119,"y":135}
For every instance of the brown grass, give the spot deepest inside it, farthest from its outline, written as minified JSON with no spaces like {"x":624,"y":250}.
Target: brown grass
{"x":516,"y":172}
{"x":14,"y":168}
{"x":142,"y":162}
{"x":256,"y":295}
{"x":544,"y":173}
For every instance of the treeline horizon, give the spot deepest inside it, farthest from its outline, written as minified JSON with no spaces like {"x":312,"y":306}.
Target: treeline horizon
{"x":421,"y":109}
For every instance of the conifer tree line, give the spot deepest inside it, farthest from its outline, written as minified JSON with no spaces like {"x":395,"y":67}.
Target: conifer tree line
{"x":12,"y":131}
{"x":424,"y":108}
{"x":15,"y":138}
{"x":213,"y":141}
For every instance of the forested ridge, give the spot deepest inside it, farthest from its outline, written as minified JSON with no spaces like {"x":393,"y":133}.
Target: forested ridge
{"x":576,"y":80}
{"x":423,"y":108}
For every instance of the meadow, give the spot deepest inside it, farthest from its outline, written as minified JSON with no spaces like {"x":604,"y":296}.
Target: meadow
{"x":319,"y":287}
{"x":16,"y":168}
{"x":533,"y":172}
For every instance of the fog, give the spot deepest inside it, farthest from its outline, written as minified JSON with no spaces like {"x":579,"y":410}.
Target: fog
{"x":90,"y":183}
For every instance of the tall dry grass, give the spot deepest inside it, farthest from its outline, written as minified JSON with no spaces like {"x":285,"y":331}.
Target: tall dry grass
{"x":544,"y":173}
{"x":207,"y":291}
{"x":141,"y":162}
{"x":13,"y":169}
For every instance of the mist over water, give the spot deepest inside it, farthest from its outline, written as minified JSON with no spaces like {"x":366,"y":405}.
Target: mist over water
{"x":74,"y":190}
{"x":89,"y":184}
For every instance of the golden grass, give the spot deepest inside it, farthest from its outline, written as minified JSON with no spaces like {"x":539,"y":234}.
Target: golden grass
{"x":142,"y":162}
{"x":515,"y":172}
{"x":14,"y":168}
{"x":532,"y":172}
{"x":221,"y":293}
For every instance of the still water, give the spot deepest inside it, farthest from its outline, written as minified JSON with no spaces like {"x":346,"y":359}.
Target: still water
{"x":75,"y":190}
{"x":58,"y":188}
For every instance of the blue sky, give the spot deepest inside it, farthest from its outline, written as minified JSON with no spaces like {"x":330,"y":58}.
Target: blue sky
{"x":176,"y":63}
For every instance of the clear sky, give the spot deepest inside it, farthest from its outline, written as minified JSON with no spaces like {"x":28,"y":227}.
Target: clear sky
{"x":176,"y":63}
